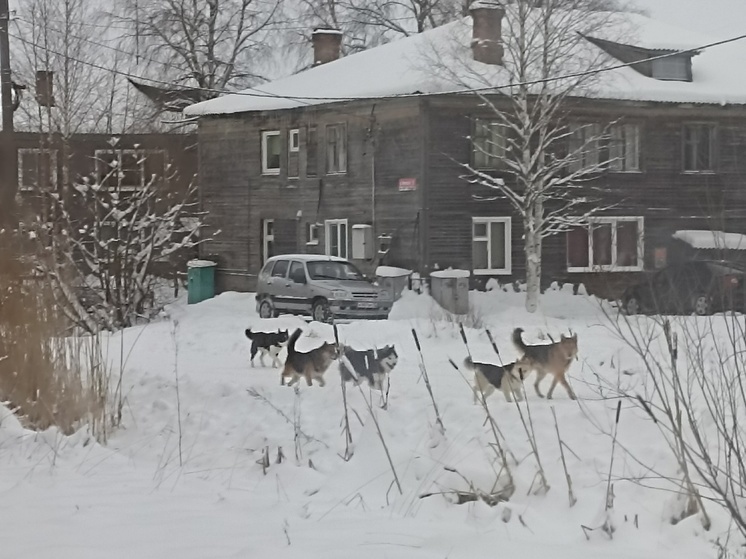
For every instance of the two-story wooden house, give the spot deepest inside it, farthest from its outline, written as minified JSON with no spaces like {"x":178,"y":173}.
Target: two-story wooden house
{"x":360,"y":157}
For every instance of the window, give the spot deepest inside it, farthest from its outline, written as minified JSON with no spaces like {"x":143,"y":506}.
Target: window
{"x":699,"y":140}
{"x":676,"y":68}
{"x":271,"y":152}
{"x":624,"y":148}
{"x":127,"y":169}
{"x":268,"y":239}
{"x":37,"y":168}
{"x":312,"y":152}
{"x":297,"y":272}
{"x":280,"y":269}
{"x":616,"y":149}
{"x":489,"y":144}
{"x":336,"y":149}
{"x":490,"y":245}
{"x":336,"y":237}
{"x":609,"y":244}
{"x":294,"y":141}
{"x":312,"y":234}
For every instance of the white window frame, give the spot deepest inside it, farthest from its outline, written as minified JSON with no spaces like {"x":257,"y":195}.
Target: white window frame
{"x":140,"y":154}
{"x":506,"y":221}
{"x":294,"y":140}
{"x":22,"y":186}
{"x":267,"y":238}
{"x":342,"y":146}
{"x":613,"y":267}
{"x":312,"y":234}
{"x":266,"y":169}
{"x":328,"y":224}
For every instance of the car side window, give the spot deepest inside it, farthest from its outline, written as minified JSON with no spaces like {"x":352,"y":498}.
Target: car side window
{"x":264,"y":274}
{"x":297,"y":272}
{"x":280,"y":269}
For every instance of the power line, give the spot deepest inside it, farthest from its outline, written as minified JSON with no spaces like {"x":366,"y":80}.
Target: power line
{"x":259,"y":93}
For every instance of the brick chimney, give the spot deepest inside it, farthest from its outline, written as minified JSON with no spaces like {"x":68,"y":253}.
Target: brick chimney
{"x":326,"y":45}
{"x":486,"y":41}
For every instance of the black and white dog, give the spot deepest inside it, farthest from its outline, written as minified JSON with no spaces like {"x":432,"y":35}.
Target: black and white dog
{"x":489,"y":377}
{"x":372,"y":364}
{"x":269,"y":343}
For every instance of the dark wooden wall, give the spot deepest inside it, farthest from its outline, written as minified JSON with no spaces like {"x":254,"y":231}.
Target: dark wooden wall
{"x":666,"y":197}
{"x":383,"y":145}
{"x":431,"y":226}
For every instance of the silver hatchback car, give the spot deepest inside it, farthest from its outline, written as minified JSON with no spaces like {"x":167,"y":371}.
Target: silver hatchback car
{"x":325,"y":287}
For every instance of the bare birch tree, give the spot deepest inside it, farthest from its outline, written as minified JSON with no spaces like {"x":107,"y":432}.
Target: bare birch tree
{"x":537,"y":159}
{"x":68,"y":39}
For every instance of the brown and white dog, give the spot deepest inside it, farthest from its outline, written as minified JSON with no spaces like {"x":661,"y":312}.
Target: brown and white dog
{"x":548,"y":359}
{"x":489,"y":377}
{"x":312,"y":365}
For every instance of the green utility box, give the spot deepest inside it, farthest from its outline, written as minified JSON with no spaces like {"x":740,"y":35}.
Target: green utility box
{"x":200,"y":281}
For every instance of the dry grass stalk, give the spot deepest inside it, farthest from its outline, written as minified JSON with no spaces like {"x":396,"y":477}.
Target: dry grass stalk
{"x":48,"y":376}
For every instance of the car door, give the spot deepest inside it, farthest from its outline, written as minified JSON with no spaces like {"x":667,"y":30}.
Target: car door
{"x":298,"y":290}
{"x":276,"y":284}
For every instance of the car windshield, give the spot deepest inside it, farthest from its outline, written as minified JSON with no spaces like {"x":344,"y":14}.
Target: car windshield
{"x":328,"y":270}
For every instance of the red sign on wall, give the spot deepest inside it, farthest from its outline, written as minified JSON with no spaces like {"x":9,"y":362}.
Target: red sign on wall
{"x":407,"y":184}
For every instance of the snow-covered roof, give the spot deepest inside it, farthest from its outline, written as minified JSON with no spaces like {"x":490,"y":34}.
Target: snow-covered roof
{"x":413,"y":66}
{"x":709,"y":240}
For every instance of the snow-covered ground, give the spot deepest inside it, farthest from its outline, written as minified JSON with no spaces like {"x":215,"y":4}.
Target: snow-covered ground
{"x":182,"y":478}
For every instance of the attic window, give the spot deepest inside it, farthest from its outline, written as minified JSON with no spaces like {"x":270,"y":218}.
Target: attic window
{"x":676,"y":68}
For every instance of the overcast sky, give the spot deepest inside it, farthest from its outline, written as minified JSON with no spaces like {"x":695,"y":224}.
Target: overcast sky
{"x":721,"y":18}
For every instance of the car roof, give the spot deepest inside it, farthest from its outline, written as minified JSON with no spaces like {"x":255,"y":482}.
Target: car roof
{"x":307,"y":258}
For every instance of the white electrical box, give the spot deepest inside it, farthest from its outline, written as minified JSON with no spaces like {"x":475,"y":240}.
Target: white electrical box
{"x":363,"y":243}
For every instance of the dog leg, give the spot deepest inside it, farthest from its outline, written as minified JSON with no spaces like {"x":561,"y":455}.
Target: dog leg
{"x":555,"y":380}
{"x":507,"y":391}
{"x":539,"y":377}
{"x":253,"y":354}
{"x":321,"y":380}
{"x":570,"y":392}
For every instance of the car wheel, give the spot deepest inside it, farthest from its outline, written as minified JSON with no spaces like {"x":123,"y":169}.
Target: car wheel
{"x":631,"y":305}
{"x":320,"y":311}
{"x":702,"y":305}
{"x":267,"y":309}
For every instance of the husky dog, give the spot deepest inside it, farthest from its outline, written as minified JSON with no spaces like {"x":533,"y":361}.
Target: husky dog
{"x":269,"y":343}
{"x":373,"y":365}
{"x":311,"y":365}
{"x":488,"y":377}
{"x":549,"y":359}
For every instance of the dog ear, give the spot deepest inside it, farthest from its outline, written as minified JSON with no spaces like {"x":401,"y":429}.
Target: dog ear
{"x":562,"y":337}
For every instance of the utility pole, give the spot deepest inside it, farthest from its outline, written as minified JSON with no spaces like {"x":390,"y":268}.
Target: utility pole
{"x":8,"y":159}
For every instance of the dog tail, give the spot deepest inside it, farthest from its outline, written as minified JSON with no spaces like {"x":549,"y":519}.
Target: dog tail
{"x":518,"y":340}
{"x":292,"y":340}
{"x":248,"y":333}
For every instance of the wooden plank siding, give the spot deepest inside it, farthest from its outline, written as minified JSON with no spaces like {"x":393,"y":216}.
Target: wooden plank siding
{"x":383,"y":144}
{"x":425,"y":139}
{"x":663,"y":194}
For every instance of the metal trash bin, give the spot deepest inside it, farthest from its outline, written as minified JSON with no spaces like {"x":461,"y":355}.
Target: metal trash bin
{"x":392,"y":279}
{"x":450,"y":289}
{"x":200,"y":280}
